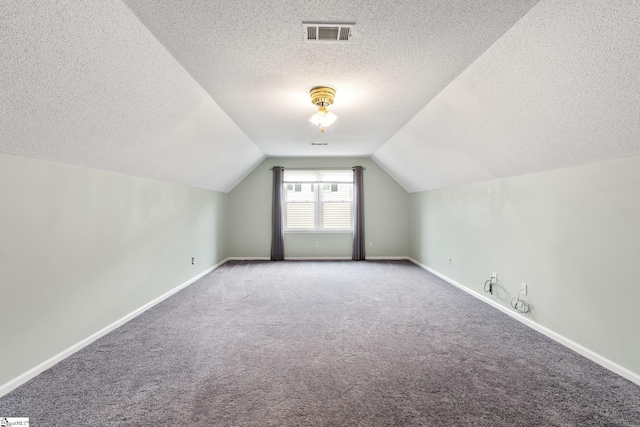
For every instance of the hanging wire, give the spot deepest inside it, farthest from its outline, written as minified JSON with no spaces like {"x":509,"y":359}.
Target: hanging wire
{"x":521,"y":305}
{"x":488,"y":286}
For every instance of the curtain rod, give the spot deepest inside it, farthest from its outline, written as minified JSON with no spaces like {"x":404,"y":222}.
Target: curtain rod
{"x":321,"y":169}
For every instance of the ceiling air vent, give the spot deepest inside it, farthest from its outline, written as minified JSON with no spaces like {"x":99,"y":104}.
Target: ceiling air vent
{"x":328,"y":31}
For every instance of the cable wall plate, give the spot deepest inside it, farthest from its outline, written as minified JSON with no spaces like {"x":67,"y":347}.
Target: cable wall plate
{"x":584,"y":351}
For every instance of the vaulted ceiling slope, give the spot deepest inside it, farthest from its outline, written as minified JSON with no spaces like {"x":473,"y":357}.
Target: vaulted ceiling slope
{"x":85,"y":83}
{"x":560,"y":88}
{"x":439,"y":93}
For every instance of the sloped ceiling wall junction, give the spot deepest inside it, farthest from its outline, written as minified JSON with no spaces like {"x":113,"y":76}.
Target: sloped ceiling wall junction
{"x":560,"y":88}
{"x":198,"y":92}
{"x":85,"y":83}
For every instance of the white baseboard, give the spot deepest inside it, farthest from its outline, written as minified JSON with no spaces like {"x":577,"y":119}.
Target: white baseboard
{"x":33,"y":372}
{"x":388,"y":258}
{"x":248,"y":258}
{"x":601,"y":360}
{"x":589,"y":354}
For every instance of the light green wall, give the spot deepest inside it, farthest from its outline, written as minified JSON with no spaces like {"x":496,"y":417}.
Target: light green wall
{"x":81,"y":248}
{"x":572,"y":235}
{"x":386,"y":214}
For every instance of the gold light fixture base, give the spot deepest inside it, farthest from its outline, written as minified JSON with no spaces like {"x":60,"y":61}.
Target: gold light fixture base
{"x":322,"y":96}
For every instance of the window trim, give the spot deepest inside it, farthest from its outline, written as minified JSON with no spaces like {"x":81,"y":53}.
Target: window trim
{"x":318,"y":210}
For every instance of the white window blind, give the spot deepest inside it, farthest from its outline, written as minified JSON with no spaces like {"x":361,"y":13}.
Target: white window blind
{"x":318,"y":200}
{"x":336,"y":205}
{"x":300,"y":206}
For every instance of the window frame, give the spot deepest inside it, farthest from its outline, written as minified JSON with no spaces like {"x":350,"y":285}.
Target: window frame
{"x":319,"y":204}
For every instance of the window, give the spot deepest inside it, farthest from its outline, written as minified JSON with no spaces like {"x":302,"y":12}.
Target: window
{"x":318,"y":201}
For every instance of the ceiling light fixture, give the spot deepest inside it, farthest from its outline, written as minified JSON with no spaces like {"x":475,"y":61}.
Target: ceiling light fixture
{"x":322,"y":97}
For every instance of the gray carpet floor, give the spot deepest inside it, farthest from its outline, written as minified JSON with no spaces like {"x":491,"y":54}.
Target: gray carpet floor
{"x":324,"y":344}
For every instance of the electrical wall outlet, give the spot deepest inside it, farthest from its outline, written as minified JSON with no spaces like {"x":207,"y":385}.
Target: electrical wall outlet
{"x":316,"y":245}
{"x":523,"y":288}
{"x":494,"y":278}
{"x":193,"y":261}
{"x":449,"y":260}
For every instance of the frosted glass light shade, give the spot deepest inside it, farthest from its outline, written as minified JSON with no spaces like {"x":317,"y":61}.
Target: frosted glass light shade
{"x":323,"y":118}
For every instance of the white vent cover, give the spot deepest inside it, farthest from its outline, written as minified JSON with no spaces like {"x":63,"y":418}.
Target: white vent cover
{"x":327,"y":31}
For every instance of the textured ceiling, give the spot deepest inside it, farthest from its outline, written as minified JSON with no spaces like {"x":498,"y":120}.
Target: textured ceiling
{"x":560,"y":88}
{"x":250,"y":56}
{"x":85,"y":83}
{"x":439,"y":93}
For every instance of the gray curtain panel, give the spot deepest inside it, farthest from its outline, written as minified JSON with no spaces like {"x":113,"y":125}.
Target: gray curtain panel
{"x":358,"y":214}
{"x":277,"y":230}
